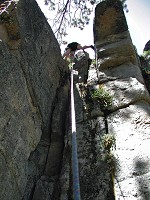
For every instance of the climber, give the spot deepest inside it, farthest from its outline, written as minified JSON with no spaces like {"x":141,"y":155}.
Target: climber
{"x":72,"y":48}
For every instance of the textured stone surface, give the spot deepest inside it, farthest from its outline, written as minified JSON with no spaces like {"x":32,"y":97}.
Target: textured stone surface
{"x":114,"y":54}
{"x":34,"y":101}
{"x":119,"y":73}
{"x":57,"y":134}
{"x":126,"y":91}
{"x":92,"y":165}
{"x":145,"y":65}
{"x":109,"y":19}
{"x":20,"y":120}
{"x":111,"y":36}
{"x":33,"y":77}
{"x":131,"y":127}
{"x":10,"y":185}
{"x":91,"y":155}
{"x":126,"y":165}
{"x":44,"y":189}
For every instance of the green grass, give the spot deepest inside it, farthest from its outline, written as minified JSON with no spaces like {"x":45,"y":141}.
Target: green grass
{"x":103,"y":97}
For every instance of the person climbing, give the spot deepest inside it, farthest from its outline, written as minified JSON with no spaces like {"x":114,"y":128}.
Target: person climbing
{"x":73,"y":47}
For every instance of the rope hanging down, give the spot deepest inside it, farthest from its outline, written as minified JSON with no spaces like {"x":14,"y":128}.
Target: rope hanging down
{"x":75,"y":169}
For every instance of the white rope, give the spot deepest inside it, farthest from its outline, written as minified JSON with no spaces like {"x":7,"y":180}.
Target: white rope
{"x":75,"y":168}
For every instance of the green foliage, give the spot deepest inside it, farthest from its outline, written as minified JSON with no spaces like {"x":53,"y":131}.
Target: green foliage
{"x":146,"y":70}
{"x":93,"y":62}
{"x":146,"y":53}
{"x":68,"y":13}
{"x":103,"y":97}
{"x":108,"y":141}
{"x":145,"y":57}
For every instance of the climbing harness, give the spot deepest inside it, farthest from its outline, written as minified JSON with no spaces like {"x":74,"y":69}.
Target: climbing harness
{"x":75,"y":169}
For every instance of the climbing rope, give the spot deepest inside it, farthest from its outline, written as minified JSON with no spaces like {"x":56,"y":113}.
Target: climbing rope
{"x":96,"y":61}
{"x":75,"y":169}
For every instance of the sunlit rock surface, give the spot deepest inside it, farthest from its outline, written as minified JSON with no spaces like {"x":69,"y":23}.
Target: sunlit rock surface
{"x":35,"y":126}
{"x":33,"y":93}
{"x":119,"y":72}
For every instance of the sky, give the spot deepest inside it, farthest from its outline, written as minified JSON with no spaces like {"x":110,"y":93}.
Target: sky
{"x":138,"y":20}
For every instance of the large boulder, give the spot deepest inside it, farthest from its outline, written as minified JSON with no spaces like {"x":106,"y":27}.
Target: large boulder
{"x":111,"y":36}
{"x":33,"y":76}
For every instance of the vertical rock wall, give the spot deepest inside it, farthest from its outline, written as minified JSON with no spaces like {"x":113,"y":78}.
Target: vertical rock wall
{"x":34,"y":100}
{"x":129,"y":118}
{"x":112,"y":141}
{"x":33,"y":96}
{"x":145,"y":64}
{"x":94,"y":173}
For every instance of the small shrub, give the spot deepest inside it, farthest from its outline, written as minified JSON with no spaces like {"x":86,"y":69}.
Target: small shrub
{"x":103,"y":97}
{"x":146,"y":70}
{"x":93,"y":62}
{"x":146,"y":53}
{"x":108,"y":141}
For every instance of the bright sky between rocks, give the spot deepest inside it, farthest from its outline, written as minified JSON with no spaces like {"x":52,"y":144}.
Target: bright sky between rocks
{"x":137,"y":18}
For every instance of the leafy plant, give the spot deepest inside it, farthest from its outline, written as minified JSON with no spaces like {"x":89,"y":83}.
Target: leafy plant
{"x":108,"y":141}
{"x":146,"y":70}
{"x":144,"y":59}
{"x":146,"y":53}
{"x":103,"y":97}
{"x":93,"y":62}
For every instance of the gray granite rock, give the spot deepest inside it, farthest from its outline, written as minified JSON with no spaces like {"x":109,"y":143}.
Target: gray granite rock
{"x":131,"y":127}
{"x":32,"y":72}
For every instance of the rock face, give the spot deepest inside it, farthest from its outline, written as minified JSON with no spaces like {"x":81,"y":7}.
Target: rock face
{"x":112,"y":108}
{"x":147,"y":46}
{"x":33,"y":96}
{"x":145,"y":64}
{"x":112,"y":141}
{"x":129,"y":118}
{"x":111,"y":36}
